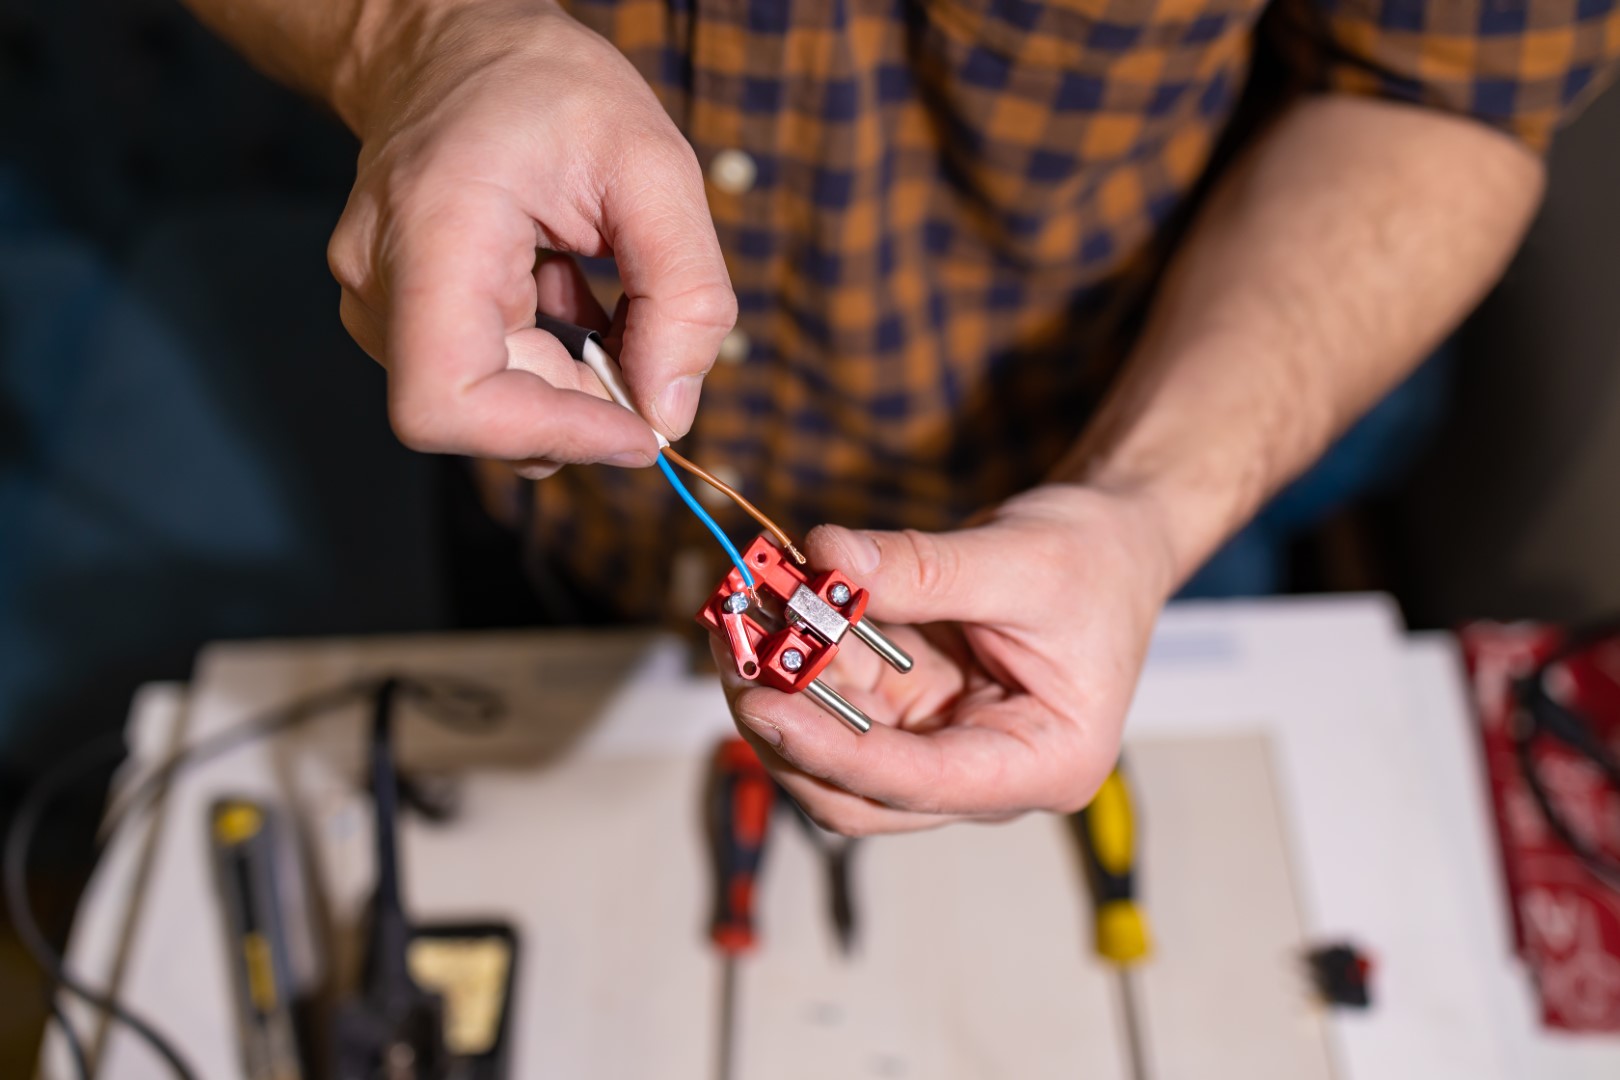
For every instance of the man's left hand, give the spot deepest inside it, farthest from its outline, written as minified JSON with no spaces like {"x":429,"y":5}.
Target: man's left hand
{"x":1028,"y":632}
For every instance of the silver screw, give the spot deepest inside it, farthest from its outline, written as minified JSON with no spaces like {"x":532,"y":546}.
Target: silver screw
{"x":792,"y":659}
{"x":736,"y":603}
{"x":839,"y":594}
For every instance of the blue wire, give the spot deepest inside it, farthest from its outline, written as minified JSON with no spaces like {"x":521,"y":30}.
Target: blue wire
{"x":708,"y":522}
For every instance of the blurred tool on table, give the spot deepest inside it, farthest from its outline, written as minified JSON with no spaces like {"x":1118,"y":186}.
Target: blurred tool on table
{"x":1106,"y":830}
{"x":245,"y":836}
{"x":394,"y":1027}
{"x":741,"y":796}
{"x":1342,"y":975}
{"x":435,"y":998}
{"x":836,"y":853}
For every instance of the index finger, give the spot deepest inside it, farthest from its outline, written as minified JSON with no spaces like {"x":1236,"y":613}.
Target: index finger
{"x":680,"y":303}
{"x":995,"y":754}
{"x":460,"y":285}
{"x":836,"y":810}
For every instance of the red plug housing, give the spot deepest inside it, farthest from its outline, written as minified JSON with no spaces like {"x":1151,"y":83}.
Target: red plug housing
{"x":787,"y":630}
{"x":759,"y":650}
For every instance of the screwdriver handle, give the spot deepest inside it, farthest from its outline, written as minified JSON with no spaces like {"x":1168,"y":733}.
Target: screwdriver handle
{"x":1107,"y":833}
{"x":741,"y":795}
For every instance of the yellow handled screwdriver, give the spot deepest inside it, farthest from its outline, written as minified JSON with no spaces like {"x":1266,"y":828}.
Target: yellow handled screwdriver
{"x":245,"y":839}
{"x":1106,"y":831}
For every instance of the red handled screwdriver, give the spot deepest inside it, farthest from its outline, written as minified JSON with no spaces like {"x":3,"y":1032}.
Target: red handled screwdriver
{"x":741,"y":796}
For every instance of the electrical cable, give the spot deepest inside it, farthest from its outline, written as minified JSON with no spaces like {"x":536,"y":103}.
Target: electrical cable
{"x":589,"y":348}
{"x":736,"y":496}
{"x":1541,"y":715}
{"x":19,"y":838}
{"x":709,"y":523}
{"x":451,"y":702}
{"x":70,"y":1035}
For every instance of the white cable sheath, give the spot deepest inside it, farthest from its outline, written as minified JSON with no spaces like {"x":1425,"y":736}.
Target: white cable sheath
{"x":607,"y":369}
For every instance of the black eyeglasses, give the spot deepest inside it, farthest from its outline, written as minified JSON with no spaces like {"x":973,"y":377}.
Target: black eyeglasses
{"x":1541,"y":716}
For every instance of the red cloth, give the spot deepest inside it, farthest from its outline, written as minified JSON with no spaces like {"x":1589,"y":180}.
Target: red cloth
{"x":1566,"y":919}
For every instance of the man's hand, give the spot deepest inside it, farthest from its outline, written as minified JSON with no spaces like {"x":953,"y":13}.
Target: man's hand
{"x":1028,"y":633}
{"x":491,"y":131}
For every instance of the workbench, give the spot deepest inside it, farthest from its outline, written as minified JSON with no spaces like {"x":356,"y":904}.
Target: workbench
{"x":1306,"y":773}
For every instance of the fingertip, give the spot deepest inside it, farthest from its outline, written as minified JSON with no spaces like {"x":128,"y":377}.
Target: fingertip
{"x":756,"y":705}
{"x":536,"y":469}
{"x":787,"y":721}
{"x":676,"y":406}
{"x":854,"y":551}
{"x":767,"y":731}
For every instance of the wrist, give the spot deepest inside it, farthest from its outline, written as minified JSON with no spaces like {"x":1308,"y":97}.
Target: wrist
{"x":1203,"y":447}
{"x":1127,"y":529}
{"x":1183,"y":507}
{"x":393,"y":44}
{"x":1182,"y":530}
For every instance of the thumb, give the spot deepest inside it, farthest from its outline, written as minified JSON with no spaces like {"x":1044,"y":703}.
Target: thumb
{"x":915,"y":577}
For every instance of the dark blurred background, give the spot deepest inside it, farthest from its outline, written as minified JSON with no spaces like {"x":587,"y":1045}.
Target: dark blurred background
{"x":190,"y":446}
{"x":192,"y":449}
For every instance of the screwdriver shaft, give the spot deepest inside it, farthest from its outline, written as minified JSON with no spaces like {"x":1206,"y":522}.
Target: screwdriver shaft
{"x":728,"y":1018}
{"x":1133,"y":1024}
{"x":842,"y":901}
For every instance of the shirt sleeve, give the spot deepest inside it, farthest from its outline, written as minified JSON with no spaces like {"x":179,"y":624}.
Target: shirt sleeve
{"x":1524,"y":67}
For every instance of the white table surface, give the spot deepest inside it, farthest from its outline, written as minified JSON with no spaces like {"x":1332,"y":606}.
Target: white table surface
{"x":1376,"y":786}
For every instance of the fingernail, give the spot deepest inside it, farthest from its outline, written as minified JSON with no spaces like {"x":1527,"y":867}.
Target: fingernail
{"x":862,"y":551}
{"x":765,"y":730}
{"x":630,"y":459}
{"x":678,"y":404}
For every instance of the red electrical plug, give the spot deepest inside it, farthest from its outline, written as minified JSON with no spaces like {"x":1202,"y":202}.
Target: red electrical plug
{"x":786,"y":631}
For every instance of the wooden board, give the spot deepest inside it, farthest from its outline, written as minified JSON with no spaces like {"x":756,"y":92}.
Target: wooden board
{"x":1225,"y":993}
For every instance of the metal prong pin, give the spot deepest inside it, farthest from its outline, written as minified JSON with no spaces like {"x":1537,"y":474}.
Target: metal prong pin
{"x":834,"y":702}
{"x":881,"y":645}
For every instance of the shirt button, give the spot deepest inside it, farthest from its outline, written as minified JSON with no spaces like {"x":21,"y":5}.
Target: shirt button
{"x":734,"y":347}
{"x":733,"y":171}
{"x":713,"y":497}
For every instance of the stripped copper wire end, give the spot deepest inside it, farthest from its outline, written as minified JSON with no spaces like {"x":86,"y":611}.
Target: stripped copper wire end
{"x":747,"y":507}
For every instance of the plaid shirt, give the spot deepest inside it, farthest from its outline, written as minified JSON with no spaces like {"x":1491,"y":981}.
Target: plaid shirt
{"x":942,"y":220}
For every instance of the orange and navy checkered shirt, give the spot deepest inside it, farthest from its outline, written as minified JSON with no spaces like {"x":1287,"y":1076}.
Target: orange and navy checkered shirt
{"x":942,"y":219}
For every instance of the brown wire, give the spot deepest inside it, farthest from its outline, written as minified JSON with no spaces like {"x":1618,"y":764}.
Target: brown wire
{"x":735,"y":496}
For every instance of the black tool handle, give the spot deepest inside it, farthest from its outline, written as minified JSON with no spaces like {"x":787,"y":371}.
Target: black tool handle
{"x":573,"y":337}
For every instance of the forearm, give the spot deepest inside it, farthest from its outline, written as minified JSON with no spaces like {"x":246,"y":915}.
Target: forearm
{"x":328,"y":49}
{"x":1335,"y":254}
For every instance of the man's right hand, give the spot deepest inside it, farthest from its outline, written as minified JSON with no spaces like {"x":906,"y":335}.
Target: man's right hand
{"x":490,"y":131}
